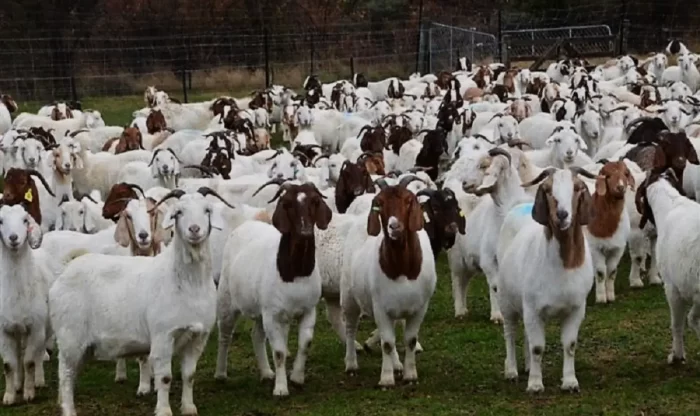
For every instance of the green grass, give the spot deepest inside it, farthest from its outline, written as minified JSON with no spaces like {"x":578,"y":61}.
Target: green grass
{"x":621,"y":364}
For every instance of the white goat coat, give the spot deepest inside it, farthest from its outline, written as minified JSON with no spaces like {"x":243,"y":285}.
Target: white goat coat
{"x":364,"y":281}
{"x":255,"y":287}
{"x":124,"y":302}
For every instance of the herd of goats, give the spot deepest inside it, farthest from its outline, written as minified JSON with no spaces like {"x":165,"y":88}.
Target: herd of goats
{"x":133,"y":242}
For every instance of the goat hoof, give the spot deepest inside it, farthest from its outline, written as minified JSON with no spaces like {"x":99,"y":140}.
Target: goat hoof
{"x":673,"y":360}
{"x":570,"y":386}
{"x":535,"y":388}
{"x":351,"y":373}
{"x":366,"y":348}
{"x":220,"y":377}
{"x":189,"y":410}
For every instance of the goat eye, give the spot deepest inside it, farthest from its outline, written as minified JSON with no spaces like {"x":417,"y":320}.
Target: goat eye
{"x":208,"y":210}
{"x":81,"y":212}
{"x":26,"y":221}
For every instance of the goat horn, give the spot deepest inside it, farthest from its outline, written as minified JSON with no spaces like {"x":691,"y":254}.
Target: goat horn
{"x":637,"y":121}
{"x":175,"y":193}
{"x":518,"y":143}
{"x":277,"y":153}
{"x":543,"y":175}
{"x":134,"y":186}
{"x":203,"y":169}
{"x":88,"y":196}
{"x":173,"y":153}
{"x":498,"y":151}
{"x":36,"y":173}
{"x":275,"y":181}
{"x":323,"y":156}
{"x":205,"y":190}
{"x":381,"y":183}
{"x":367,"y":126}
{"x":581,"y":171}
{"x":298,"y":153}
{"x":426,"y":192}
{"x":481,"y":136}
{"x":154,"y":156}
{"x":283,"y":187}
{"x":408,"y":179}
{"x":416,"y":169}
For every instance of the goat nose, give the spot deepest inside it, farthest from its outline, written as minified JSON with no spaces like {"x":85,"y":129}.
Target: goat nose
{"x":562,"y":215}
{"x":194,"y":229}
{"x":13,"y":238}
{"x":280,"y":175}
{"x":66,"y":166}
{"x":620,"y":188}
{"x":144,"y":235}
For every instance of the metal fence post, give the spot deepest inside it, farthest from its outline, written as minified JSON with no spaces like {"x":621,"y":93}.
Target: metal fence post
{"x":625,"y":36}
{"x":268,"y":78}
{"x":451,"y":44}
{"x":471,"y":55}
{"x":352,"y":67}
{"x":183,"y":76}
{"x":505,"y":47}
{"x":418,"y":37}
{"x":312,"y":55}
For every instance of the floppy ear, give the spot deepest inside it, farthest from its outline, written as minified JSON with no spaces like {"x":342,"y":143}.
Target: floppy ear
{"x":692,"y":154}
{"x":280,"y":220}
{"x":584,"y":207}
{"x":121,"y":233}
{"x":415,"y":216}
{"x":34,"y":233}
{"x":168,"y":219}
{"x":89,"y":223}
{"x":323,"y":215}
{"x":373,"y":225}
{"x":461,"y":222}
{"x":58,"y":225}
{"x":582,"y":144}
{"x":549,"y":142}
{"x":601,"y":186}
{"x":630,"y":180}
{"x":540,"y":211}
{"x":659,"y":157}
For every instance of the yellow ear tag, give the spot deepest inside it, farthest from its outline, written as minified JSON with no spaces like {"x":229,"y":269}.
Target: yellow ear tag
{"x":461,"y":213}
{"x":28,"y":196}
{"x":376,"y":209}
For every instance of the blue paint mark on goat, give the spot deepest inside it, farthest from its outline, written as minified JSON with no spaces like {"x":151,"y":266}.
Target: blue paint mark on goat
{"x":523,"y":209}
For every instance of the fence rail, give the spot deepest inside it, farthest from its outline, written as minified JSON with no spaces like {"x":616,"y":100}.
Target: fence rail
{"x":207,"y":46}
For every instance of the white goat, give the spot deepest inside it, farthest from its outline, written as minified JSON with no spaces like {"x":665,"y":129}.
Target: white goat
{"x":93,"y":286}
{"x":547,"y":236}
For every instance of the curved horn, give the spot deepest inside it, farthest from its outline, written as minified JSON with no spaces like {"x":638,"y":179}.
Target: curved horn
{"x":36,"y":173}
{"x":542,"y":176}
{"x":581,"y":171}
{"x":175,"y":193}
{"x":498,"y":151}
{"x":323,"y":156}
{"x":408,"y":179}
{"x":88,"y":196}
{"x":173,"y":153}
{"x":203,"y":169}
{"x":481,"y":136}
{"x":367,"y":126}
{"x":154,"y":157}
{"x":637,"y":121}
{"x":277,"y":153}
{"x":283,"y":187}
{"x":495,"y":116}
{"x":275,"y":181}
{"x":364,"y":155}
{"x":205,"y":190}
{"x":416,"y":169}
{"x":426,"y":192}
{"x":381,"y":183}
{"x":136,"y":187}
{"x":519,"y":143}
{"x":298,"y":153}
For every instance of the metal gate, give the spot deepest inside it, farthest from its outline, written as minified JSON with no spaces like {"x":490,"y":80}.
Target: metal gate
{"x":449,"y":43}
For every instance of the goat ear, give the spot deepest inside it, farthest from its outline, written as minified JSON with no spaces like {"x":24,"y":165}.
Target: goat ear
{"x":323,"y":215}
{"x":34,"y":233}
{"x":540,"y":210}
{"x":692,"y":154}
{"x":280,"y":220}
{"x":630,"y":180}
{"x":121,"y":233}
{"x":78,"y":162}
{"x":373,"y":225}
{"x":461,"y":222}
{"x":584,"y":207}
{"x":601,"y":186}
{"x":88,"y":223}
{"x":58,"y":225}
{"x":415,"y":216}
{"x":582,"y":144}
{"x":168,"y":219}
{"x":659,"y":157}
{"x":341,"y":201}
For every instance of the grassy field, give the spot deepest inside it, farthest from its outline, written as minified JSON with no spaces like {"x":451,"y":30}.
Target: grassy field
{"x":621,"y":363}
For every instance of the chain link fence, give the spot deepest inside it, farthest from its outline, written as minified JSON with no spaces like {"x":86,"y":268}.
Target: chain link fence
{"x":449,"y":43}
{"x":534,"y":50}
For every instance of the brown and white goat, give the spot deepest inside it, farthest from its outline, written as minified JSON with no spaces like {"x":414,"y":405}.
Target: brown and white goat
{"x":609,"y":227}
{"x":353,"y":181}
{"x":130,"y":139}
{"x":20,"y":189}
{"x":388,"y":278}
{"x":272,"y":292}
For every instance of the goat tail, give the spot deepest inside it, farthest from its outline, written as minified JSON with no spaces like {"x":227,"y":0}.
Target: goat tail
{"x":74,"y":254}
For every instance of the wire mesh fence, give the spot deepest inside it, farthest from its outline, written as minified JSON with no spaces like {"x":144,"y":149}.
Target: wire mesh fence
{"x":110,"y":47}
